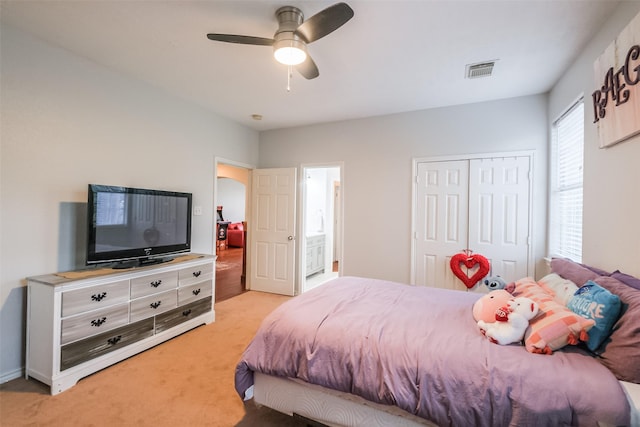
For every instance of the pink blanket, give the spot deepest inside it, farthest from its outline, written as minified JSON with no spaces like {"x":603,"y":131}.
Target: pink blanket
{"x":420,"y":349}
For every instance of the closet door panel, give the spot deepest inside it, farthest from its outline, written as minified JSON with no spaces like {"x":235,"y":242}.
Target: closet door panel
{"x":499,"y":214}
{"x":441,"y":223}
{"x":484,"y":218}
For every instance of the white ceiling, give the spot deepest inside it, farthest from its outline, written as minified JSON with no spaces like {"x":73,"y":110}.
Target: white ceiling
{"x":393,"y":56}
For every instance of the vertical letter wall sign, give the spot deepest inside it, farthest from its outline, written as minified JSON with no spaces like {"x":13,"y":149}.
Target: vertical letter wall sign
{"x":616,"y":102}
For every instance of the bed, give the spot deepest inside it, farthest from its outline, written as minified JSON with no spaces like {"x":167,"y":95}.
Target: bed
{"x":368,"y":352}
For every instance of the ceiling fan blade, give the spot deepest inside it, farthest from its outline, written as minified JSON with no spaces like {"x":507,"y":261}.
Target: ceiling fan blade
{"x":325,"y":22}
{"x":308,"y":69}
{"x":232,"y":38}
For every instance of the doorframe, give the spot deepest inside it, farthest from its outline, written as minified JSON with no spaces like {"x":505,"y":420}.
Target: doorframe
{"x":302,"y":245}
{"x":455,"y":157}
{"x":247,"y":209}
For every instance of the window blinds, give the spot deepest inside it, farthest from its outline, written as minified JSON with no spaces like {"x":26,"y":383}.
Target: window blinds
{"x":566,"y":184}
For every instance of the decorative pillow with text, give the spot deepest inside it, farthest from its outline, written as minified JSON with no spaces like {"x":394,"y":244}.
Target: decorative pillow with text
{"x":592,"y":301}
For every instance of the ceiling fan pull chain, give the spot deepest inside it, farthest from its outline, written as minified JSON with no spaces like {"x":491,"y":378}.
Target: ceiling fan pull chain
{"x":289,"y":75}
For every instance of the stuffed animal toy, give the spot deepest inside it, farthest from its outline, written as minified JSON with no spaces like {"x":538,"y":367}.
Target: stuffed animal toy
{"x":485,"y":308}
{"x":511,"y":322}
{"x":493,"y":283}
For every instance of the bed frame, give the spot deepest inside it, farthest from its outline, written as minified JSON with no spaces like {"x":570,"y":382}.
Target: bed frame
{"x":334,"y":408}
{"x":326,"y":406}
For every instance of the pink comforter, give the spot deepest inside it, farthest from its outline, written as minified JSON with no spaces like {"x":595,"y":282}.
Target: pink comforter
{"x":420,"y":349}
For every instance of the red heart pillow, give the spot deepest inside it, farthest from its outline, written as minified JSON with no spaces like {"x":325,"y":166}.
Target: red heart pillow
{"x":469,"y":261}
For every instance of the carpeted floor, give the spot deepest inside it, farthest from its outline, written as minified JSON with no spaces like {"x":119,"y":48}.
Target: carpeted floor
{"x":187,"y":381}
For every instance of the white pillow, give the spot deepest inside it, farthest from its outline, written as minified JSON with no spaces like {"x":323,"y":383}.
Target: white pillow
{"x":561,"y":289}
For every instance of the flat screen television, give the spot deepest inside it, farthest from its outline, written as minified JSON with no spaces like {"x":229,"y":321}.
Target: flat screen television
{"x":135,"y":226}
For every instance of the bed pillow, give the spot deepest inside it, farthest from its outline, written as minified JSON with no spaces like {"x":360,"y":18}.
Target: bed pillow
{"x":572,"y":271}
{"x":562,"y":289}
{"x":620,"y":352}
{"x":598,"y":271}
{"x":627,"y":279}
{"x":555,"y":326}
{"x":592,"y":301}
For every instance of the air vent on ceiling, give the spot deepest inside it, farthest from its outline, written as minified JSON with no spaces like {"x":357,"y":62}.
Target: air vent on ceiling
{"x":481,"y":69}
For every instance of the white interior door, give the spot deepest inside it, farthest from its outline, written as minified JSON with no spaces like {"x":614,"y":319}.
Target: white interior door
{"x":499,"y":214}
{"x":272,"y":236}
{"x":479,"y":204}
{"x":441,"y":229}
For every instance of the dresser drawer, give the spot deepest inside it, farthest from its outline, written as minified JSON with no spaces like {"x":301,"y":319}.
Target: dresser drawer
{"x":183,"y":313}
{"x":87,"y":324}
{"x":152,"y":284}
{"x":187,"y":294}
{"x":81,"y":300}
{"x":90,"y":348}
{"x":191,"y":275}
{"x":153,"y":305}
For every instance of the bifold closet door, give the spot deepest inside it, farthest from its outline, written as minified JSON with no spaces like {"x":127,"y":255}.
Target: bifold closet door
{"x":442,"y":220}
{"x":499,"y":214}
{"x":477,"y":204}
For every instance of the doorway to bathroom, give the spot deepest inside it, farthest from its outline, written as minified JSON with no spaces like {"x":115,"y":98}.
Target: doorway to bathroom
{"x":321,"y":243}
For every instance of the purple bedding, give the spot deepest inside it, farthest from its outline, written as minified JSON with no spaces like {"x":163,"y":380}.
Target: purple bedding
{"x":420,"y":349}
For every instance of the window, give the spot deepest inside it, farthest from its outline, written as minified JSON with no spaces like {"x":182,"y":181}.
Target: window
{"x":111,"y":209}
{"x":565,"y":205}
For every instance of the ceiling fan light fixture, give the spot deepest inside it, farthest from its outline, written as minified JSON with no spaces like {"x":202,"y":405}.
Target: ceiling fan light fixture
{"x":293,"y":34}
{"x":290,"y":55}
{"x":289,"y":51}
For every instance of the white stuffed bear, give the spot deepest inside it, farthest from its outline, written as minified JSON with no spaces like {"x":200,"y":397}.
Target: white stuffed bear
{"x":511,"y":321}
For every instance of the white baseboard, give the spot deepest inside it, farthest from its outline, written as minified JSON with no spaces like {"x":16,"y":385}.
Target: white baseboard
{"x":12,"y":375}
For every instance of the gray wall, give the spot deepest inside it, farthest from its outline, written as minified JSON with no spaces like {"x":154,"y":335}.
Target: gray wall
{"x":67,"y":122}
{"x":611,"y":232}
{"x":377,"y":154}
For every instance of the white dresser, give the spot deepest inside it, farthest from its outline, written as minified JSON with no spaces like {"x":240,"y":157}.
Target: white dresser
{"x":81,"y":322}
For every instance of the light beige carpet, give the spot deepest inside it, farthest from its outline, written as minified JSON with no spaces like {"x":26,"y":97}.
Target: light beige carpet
{"x":187,"y":381}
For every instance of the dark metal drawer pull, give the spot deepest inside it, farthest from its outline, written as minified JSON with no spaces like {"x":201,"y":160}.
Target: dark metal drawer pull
{"x":98,"y":297}
{"x":156,"y":283}
{"x":114,"y":340}
{"x":155,"y":305}
{"x":98,"y":322}
{"x":197,"y":273}
{"x":186,"y":313}
{"x":195,"y":291}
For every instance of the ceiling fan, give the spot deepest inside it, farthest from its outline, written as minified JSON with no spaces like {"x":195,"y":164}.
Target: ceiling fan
{"x":294,"y":33}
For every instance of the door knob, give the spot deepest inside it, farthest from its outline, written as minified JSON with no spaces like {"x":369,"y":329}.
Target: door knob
{"x":290,"y":238}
